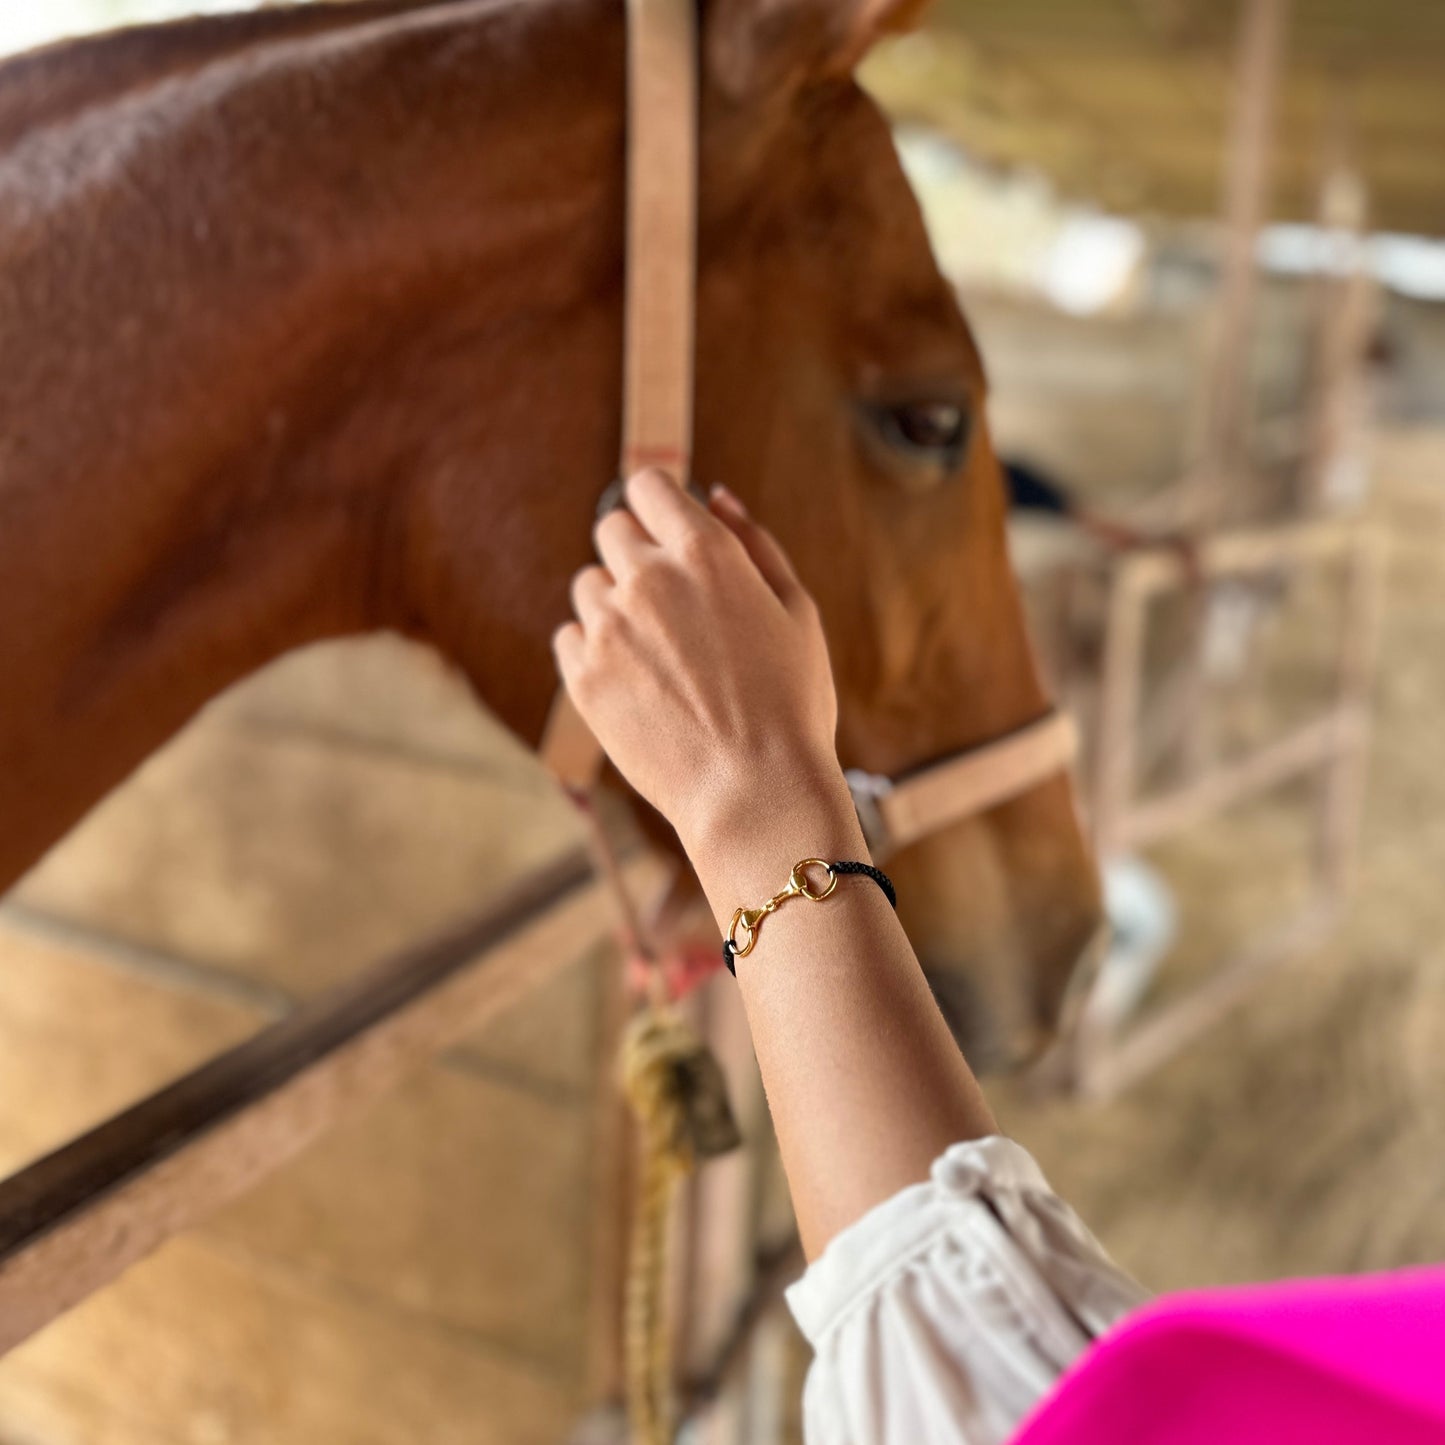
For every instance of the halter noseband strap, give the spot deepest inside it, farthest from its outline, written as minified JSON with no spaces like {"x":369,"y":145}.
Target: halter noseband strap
{"x":897,"y":812}
{"x":658,"y":340}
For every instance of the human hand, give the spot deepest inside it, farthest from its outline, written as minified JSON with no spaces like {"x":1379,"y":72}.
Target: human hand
{"x":698,"y":660}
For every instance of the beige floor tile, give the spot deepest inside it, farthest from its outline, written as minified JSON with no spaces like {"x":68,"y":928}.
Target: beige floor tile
{"x":290,"y":860}
{"x":547,"y":1040}
{"x":455,"y":1200}
{"x":79,"y":1041}
{"x":383,"y":691}
{"x":201,"y":1347}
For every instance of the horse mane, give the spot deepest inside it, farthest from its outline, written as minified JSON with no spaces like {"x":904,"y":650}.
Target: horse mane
{"x":42,"y":87}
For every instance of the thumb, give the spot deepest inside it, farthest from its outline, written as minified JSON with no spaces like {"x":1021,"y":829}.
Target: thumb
{"x":760,"y":544}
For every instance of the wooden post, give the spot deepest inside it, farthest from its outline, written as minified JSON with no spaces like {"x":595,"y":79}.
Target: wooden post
{"x":721,"y":1255}
{"x":1115,"y":751}
{"x":1246,"y":192}
{"x":1345,"y":304}
{"x":1343,"y":795}
{"x":1227,"y":394}
{"x":612,"y":1171}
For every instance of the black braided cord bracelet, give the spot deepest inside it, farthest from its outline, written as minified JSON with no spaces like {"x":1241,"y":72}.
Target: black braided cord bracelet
{"x":867,"y":870}
{"x":730,"y":950}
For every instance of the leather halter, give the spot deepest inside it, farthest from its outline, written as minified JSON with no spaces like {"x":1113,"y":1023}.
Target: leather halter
{"x":658,"y":362}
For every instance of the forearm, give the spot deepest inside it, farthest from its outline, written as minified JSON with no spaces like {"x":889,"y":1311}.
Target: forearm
{"x":699,"y":662}
{"x":865,"y":1083}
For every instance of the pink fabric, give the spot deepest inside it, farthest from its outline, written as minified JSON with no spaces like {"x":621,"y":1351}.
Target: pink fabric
{"x":1324,"y":1361}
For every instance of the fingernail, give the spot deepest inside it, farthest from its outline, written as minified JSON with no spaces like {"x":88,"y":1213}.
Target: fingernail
{"x":730,"y":498}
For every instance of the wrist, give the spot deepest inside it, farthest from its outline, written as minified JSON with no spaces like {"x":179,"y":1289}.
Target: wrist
{"x":744,"y":836}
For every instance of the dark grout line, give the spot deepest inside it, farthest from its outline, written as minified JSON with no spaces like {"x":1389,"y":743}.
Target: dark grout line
{"x":329,"y":1283}
{"x":464,"y":1059}
{"x":322,"y":735}
{"x":208,"y":981}
{"x":170,"y":970}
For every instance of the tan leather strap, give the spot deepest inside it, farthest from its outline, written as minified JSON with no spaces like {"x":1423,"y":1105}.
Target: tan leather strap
{"x":659,"y":288}
{"x":895,"y":814}
{"x":661,"y":237}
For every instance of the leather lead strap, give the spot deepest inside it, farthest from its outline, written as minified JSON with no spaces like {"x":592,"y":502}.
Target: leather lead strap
{"x":659,"y":288}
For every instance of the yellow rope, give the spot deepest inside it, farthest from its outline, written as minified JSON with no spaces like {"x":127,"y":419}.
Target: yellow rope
{"x":656,"y":1043}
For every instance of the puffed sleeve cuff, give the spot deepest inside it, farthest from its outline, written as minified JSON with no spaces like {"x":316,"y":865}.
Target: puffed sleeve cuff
{"x":949,"y":1310}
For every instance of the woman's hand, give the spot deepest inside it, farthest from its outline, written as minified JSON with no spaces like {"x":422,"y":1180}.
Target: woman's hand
{"x":698,"y":661}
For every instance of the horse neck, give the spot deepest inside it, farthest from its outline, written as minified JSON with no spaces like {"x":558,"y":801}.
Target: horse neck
{"x":51,"y":85}
{"x":246,"y":301}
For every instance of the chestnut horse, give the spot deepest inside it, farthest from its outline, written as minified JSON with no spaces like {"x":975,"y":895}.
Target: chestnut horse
{"x":311,"y":326}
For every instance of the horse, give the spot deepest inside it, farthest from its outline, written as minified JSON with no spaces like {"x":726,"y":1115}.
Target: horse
{"x":311,"y":326}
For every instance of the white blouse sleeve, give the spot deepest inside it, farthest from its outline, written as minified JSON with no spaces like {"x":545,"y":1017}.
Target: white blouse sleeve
{"x":944,"y":1314}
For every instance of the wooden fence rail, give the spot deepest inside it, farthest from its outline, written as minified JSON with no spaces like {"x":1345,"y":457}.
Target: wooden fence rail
{"x":72,"y":1221}
{"x":1333,"y":747}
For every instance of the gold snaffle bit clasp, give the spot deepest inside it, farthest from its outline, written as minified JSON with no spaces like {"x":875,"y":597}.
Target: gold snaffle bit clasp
{"x":750,"y":919}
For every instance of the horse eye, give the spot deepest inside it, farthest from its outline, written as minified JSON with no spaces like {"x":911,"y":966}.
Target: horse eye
{"x":935,"y":430}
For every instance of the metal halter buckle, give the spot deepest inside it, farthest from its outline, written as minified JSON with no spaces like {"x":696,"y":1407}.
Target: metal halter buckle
{"x":868,"y":790}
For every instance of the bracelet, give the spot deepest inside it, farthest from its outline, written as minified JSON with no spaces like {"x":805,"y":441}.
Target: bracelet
{"x":749,"y":920}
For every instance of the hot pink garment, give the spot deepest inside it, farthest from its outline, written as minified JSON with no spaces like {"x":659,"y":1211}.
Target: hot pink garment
{"x":1319,"y":1362}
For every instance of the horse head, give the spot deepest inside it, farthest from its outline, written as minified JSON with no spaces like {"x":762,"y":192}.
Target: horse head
{"x":312,"y":325}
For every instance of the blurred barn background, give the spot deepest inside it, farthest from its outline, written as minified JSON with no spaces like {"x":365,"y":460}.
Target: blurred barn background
{"x":1203,"y":247}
